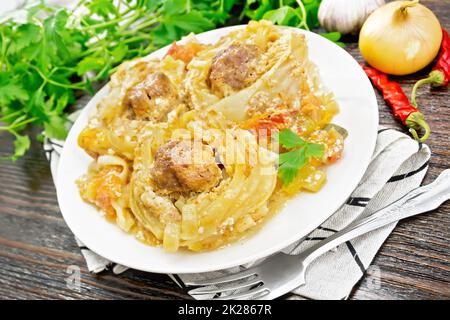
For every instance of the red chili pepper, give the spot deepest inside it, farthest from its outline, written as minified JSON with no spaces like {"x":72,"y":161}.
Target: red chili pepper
{"x":440,"y":75}
{"x":393,"y":94}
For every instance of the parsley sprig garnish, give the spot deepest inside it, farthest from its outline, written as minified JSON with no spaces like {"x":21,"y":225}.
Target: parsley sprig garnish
{"x":292,"y":161}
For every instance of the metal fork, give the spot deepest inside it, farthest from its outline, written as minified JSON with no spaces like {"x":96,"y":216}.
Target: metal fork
{"x":282,"y":273}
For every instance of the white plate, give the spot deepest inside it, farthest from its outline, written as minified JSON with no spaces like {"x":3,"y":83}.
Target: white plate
{"x":359,"y":115}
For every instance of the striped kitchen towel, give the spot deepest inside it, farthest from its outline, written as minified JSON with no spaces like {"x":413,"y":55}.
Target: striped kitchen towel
{"x":398,"y":165}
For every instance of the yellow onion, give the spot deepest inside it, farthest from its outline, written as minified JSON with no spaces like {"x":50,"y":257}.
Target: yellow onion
{"x":400,"y":37}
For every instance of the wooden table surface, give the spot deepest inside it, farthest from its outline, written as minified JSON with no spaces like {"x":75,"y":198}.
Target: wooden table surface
{"x":36,"y":246}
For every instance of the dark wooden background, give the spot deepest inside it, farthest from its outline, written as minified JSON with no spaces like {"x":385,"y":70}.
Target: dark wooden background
{"x":36,"y":246}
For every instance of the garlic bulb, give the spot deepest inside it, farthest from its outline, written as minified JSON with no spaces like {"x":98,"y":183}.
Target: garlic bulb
{"x":346,"y":16}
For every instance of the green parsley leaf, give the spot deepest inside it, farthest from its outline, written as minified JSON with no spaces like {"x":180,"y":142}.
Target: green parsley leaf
{"x":56,"y":127}
{"x":255,"y":9}
{"x":25,"y":35}
{"x":90,"y":64}
{"x":175,"y":7}
{"x":119,"y":53}
{"x":103,"y":8}
{"x":21,"y":145}
{"x":292,"y":161}
{"x":152,"y":5}
{"x":334,"y":37}
{"x":312,"y":10}
{"x":191,"y":22}
{"x":289,"y":139}
{"x":35,"y":106}
{"x":58,"y":38}
{"x":11,"y":89}
{"x":314,"y":150}
{"x":11,"y":92}
{"x":62,"y":102}
{"x":281,"y":16}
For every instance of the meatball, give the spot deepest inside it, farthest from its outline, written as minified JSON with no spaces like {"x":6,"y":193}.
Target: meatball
{"x":153,"y":98}
{"x":180,"y":167}
{"x":162,"y":171}
{"x":233,"y":68}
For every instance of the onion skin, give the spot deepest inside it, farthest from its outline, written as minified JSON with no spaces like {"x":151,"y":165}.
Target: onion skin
{"x":400,"y":37}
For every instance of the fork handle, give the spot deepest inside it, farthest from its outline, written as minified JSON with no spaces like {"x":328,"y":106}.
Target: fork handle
{"x":417,"y":201}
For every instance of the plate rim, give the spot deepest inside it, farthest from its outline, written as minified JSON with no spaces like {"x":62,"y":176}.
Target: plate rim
{"x":264,"y":253}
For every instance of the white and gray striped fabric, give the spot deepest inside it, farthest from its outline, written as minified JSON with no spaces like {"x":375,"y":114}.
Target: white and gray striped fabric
{"x":398,"y":165}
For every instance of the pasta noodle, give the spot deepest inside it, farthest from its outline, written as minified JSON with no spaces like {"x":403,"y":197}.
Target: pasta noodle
{"x":177,"y":158}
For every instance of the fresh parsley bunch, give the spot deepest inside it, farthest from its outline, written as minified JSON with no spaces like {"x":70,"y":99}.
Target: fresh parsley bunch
{"x":57,"y":54}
